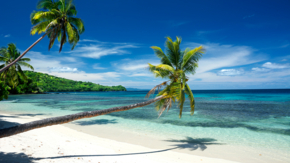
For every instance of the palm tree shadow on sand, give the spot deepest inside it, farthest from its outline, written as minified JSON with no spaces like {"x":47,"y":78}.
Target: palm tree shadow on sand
{"x":15,"y":157}
{"x":188,"y":142}
{"x":194,"y":144}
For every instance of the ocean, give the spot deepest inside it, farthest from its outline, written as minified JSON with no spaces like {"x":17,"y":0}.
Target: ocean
{"x":250,"y":118}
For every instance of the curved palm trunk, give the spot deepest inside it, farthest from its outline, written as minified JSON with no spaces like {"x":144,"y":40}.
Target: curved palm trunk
{"x":68,"y":118}
{"x":17,"y":59}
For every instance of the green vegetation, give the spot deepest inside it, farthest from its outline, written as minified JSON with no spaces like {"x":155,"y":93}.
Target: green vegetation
{"x":13,"y":74}
{"x":57,"y":17}
{"x":175,"y":64}
{"x":13,"y":80}
{"x":49,"y":83}
{"x":3,"y":90}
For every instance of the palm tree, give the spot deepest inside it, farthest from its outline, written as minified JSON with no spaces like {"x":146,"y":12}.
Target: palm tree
{"x":56,"y":20}
{"x":12,"y":74}
{"x":175,"y":65}
{"x":184,"y":62}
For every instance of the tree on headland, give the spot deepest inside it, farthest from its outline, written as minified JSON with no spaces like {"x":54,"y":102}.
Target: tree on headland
{"x":174,"y":65}
{"x":13,"y":74}
{"x":56,"y":19}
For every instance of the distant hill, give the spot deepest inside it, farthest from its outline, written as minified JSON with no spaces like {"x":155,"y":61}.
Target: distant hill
{"x":49,"y":83}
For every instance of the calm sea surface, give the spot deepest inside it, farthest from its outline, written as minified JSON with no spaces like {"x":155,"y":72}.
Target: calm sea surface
{"x":256,"y":118}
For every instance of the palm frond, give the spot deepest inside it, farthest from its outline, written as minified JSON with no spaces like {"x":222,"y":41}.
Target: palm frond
{"x":53,"y":23}
{"x":165,"y":67}
{"x":191,"y":56}
{"x":181,"y":102}
{"x":70,"y":8}
{"x":159,"y":86}
{"x":191,"y":98}
{"x":78,"y":23}
{"x":70,"y":32}
{"x":40,"y":28}
{"x":159,"y":72}
{"x":21,"y":73}
{"x":53,"y":36}
{"x":160,"y":54}
{"x":25,"y":59}
{"x":166,"y":105}
{"x":76,"y":38}
{"x":43,"y":15}
{"x":173,"y":52}
{"x":3,"y":59}
{"x":25,"y":64}
{"x":47,"y":4}
{"x":63,"y":39}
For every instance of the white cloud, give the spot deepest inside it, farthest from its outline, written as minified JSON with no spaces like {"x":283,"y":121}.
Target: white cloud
{"x":221,"y":56}
{"x":135,"y":65}
{"x":62,"y":69}
{"x":101,"y":49}
{"x":275,"y":65}
{"x":260,"y":69}
{"x":96,"y":66}
{"x":45,"y":63}
{"x":69,"y":59}
{"x":230,"y":72}
{"x":7,"y":35}
{"x":136,"y":68}
{"x":142,"y":74}
{"x":58,"y":66}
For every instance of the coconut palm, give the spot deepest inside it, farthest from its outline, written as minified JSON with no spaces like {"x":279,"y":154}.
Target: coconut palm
{"x":56,"y":19}
{"x":12,"y":74}
{"x":175,"y":65}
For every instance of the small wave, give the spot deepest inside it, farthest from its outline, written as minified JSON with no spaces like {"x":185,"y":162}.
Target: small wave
{"x":10,"y":101}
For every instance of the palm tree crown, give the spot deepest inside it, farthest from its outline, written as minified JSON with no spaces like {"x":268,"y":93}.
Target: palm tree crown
{"x":12,"y":74}
{"x":58,"y":19}
{"x":175,"y":65}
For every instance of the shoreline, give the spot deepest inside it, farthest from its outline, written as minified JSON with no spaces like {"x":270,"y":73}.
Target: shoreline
{"x":130,"y":142}
{"x":62,"y":144}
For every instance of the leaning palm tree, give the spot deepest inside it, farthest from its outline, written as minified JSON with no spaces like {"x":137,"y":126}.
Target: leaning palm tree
{"x":175,"y":64}
{"x":12,"y":74}
{"x":56,"y":19}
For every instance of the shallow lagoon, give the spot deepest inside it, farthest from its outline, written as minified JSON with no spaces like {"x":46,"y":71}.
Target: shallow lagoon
{"x":251,"y":118}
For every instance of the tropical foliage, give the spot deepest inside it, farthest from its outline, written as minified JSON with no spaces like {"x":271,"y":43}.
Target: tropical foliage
{"x":13,"y":74}
{"x":58,"y":19}
{"x":175,"y":65}
{"x":49,"y":83}
{"x":4,"y":90}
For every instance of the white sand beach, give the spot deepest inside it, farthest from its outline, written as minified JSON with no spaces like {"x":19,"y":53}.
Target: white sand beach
{"x":63,"y":144}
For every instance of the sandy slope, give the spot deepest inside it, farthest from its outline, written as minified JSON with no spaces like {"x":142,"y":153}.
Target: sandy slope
{"x":62,"y":144}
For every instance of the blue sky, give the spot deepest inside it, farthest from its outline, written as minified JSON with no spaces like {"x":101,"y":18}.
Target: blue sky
{"x":247,"y":42}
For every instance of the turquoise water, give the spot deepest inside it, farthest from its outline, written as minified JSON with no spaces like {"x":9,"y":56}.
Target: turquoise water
{"x":256,"y":118}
